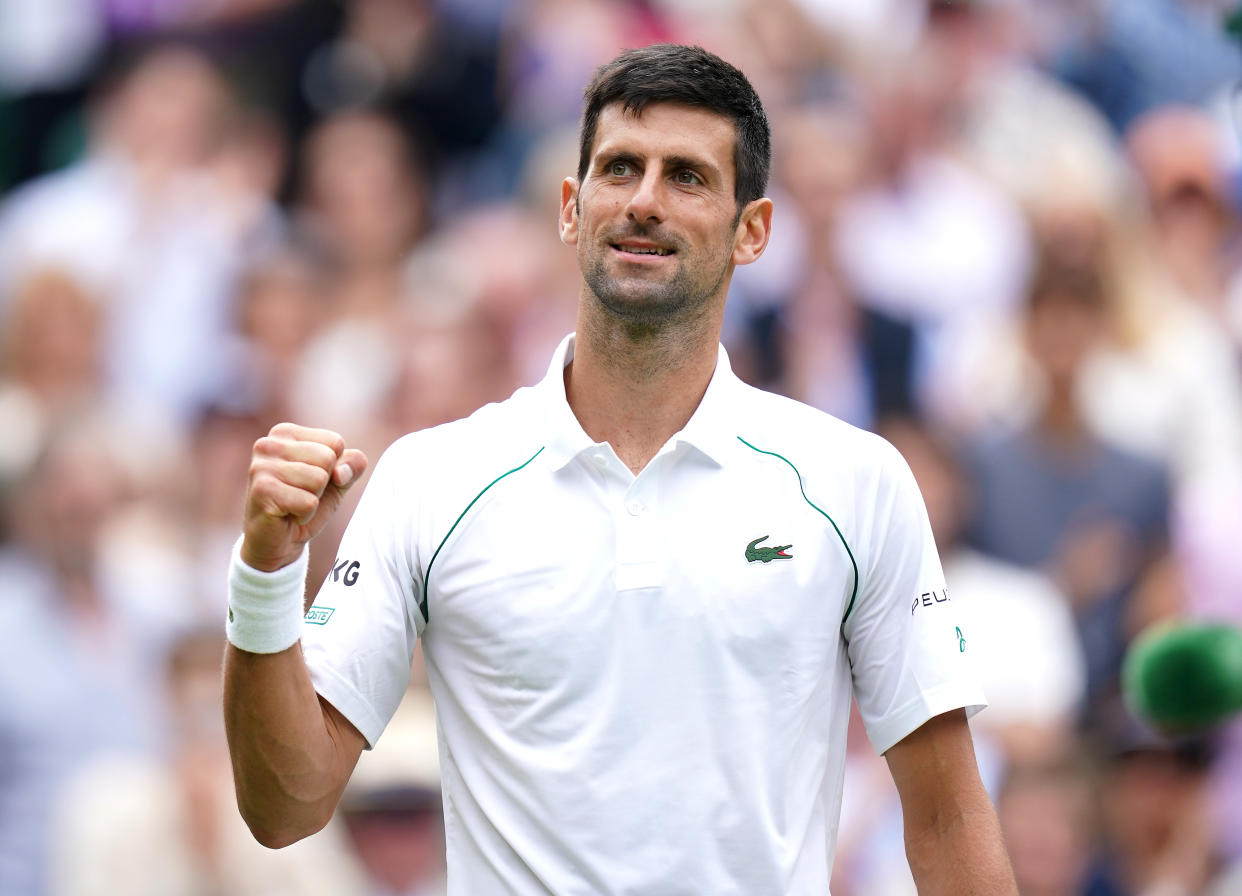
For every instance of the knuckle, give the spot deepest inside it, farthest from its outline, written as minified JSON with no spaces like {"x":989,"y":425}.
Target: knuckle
{"x":320,"y":478}
{"x":263,"y":486}
{"x":258,"y":472}
{"x":303,"y":503}
{"x":320,"y":456}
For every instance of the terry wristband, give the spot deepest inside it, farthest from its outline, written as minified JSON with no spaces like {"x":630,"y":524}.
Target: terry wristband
{"x":265,"y":608}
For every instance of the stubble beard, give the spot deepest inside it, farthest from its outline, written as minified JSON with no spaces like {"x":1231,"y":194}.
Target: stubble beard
{"x":646,"y":307}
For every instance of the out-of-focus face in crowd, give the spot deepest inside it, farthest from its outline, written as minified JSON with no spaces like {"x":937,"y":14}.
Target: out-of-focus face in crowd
{"x":364,"y":192}
{"x":167,"y":113}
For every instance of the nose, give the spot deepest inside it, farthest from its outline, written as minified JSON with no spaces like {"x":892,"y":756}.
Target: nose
{"x":646,"y":203}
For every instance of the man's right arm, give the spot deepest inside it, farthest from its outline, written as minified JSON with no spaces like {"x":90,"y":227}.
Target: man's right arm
{"x":292,"y":752}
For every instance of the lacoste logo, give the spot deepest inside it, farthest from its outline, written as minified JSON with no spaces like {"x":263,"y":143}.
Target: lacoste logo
{"x":317,"y":615}
{"x":766,"y":554}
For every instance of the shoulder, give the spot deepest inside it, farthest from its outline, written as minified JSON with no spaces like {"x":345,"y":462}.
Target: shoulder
{"x":824,"y":444}
{"x":463,"y":449}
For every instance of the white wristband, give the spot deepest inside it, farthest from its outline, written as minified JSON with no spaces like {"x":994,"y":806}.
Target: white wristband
{"x":265,"y":608}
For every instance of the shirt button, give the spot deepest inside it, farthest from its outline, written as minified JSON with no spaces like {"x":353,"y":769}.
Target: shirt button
{"x":635,"y":507}
{"x":599,"y":460}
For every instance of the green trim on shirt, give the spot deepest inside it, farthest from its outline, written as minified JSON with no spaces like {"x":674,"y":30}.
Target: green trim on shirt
{"x":422,"y":604}
{"x":849,"y":609}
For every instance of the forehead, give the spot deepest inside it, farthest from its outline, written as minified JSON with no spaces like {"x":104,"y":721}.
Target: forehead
{"x":668,"y":129}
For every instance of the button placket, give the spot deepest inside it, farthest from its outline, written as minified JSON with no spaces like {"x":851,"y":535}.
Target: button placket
{"x":639,"y":562}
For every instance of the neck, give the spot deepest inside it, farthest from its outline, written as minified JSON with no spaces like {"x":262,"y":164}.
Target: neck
{"x":1060,"y":418}
{"x":635,"y":386}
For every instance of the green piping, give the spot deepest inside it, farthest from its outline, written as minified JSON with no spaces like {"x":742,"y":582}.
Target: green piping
{"x":835,"y":528}
{"x":422,"y":604}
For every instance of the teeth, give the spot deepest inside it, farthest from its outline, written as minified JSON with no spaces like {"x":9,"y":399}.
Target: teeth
{"x":634,"y":250}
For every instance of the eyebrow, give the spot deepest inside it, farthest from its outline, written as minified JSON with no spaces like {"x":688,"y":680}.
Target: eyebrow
{"x":688,"y":162}
{"x":604,"y":159}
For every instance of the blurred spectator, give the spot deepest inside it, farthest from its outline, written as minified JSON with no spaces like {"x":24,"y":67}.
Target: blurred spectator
{"x":524,"y":296}
{"x":1156,"y":830}
{"x":392,"y":808}
{"x":1169,"y":383}
{"x":1048,"y":816}
{"x":1054,"y":496}
{"x":434,"y":72}
{"x":1189,"y":391}
{"x":146,"y":224}
{"x":282,"y":304}
{"x":52,"y":344}
{"x":1046,"y":150}
{"x":363,"y":208}
{"x":809,"y":337}
{"x":927,"y":241}
{"x":74,"y":683}
{"x":544,"y":72}
{"x":169,"y":826}
{"x":1177,"y":155}
{"x":452,"y":361}
{"x":1136,"y":54}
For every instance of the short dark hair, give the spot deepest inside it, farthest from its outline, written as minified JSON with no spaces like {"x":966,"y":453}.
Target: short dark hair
{"x":671,"y":73}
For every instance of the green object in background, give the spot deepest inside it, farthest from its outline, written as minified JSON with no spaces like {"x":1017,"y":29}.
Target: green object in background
{"x":1232,"y":22}
{"x":1185,"y":677}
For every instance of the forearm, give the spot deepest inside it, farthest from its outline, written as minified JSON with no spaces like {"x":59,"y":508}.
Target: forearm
{"x":953,"y":838}
{"x":961,"y":852}
{"x":291,"y":753}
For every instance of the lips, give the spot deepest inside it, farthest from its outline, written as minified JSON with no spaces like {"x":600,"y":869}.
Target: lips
{"x":632,"y":249}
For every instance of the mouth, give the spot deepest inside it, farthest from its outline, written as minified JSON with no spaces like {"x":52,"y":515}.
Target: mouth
{"x":642,"y":250}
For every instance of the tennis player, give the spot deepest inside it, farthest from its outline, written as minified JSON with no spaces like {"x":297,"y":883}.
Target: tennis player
{"x":646,"y":592}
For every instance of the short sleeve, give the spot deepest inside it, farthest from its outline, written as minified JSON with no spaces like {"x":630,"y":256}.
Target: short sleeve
{"x":359,"y":635}
{"x":908,"y":641}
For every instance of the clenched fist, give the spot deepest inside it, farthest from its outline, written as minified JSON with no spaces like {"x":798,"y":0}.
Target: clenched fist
{"x":298,"y":476}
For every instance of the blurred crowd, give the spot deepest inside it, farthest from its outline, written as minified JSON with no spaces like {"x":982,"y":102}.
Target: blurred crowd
{"x":1007,"y":237}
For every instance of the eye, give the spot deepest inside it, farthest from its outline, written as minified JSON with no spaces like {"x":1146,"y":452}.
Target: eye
{"x":687,"y":177}
{"x":619,"y":169}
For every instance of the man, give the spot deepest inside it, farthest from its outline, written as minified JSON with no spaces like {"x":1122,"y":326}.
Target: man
{"x":645,"y":591}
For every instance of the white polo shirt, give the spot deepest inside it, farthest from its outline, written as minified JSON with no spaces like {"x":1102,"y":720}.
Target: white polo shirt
{"x":642,"y":683}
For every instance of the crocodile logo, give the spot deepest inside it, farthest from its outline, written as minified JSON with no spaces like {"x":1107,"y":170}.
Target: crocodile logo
{"x":766,"y":554}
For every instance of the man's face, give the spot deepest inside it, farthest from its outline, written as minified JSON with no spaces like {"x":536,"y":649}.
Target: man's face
{"x":655,"y":221}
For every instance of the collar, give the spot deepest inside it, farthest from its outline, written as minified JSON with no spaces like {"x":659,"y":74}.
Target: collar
{"x":708,"y":432}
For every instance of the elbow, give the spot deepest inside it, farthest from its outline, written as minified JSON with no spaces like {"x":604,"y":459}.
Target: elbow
{"x":278,"y":830}
{"x":280,"y":836}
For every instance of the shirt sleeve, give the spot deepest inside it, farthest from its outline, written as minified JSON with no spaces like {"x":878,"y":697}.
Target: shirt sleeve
{"x":359,"y":635}
{"x":908,"y":641}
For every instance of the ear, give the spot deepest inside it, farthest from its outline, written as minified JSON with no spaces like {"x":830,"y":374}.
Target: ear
{"x":754,"y":226}
{"x":569,"y":211}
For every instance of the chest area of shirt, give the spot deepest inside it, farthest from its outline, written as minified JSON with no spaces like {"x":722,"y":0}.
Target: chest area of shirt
{"x":735,"y":569}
